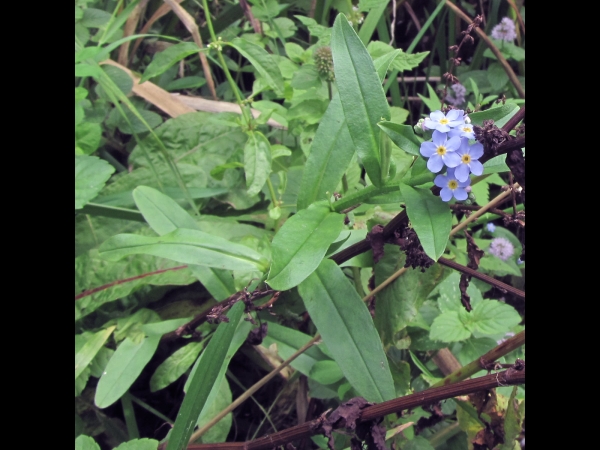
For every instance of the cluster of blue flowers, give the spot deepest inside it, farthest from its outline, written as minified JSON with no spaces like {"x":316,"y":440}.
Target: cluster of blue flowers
{"x":450,"y":147}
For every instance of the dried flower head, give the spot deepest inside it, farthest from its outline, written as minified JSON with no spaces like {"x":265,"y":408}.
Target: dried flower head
{"x":505,"y":30}
{"x":501,"y":248}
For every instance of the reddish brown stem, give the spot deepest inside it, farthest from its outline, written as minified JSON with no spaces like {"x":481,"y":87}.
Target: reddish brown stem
{"x":432,"y":395}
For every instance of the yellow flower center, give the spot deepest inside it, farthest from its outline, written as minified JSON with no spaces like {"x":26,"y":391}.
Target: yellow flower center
{"x":467,"y":129}
{"x":466,"y":158}
{"x":452,"y":184}
{"x":441,"y":150}
{"x":444,"y":121}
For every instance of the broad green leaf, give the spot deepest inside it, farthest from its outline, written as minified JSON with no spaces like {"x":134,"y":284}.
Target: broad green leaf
{"x":263,"y":62}
{"x":301,"y":243}
{"x":492,"y":317}
{"x":88,"y":137}
{"x":139,"y":444}
{"x":448,"y":327}
{"x":89,"y":350}
{"x":165,"y":215}
{"x":449,"y":291}
{"x":398,"y":304}
{"x":119,"y":77}
{"x":167,"y":58}
{"x":306,"y":77}
{"x":347,"y":328}
{"x":331,"y":152}
{"x":161,"y":212}
{"x":500,"y":115}
{"x":363,"y":100}
{"x":382,"y":63}
{"x":120,"y":279}
{"x":175,"y":366}
{"x":203,"y":380}
{"x":403,"y":136}
{"x":473,"y":348}
{"x":84,"y":442}
{"x":122,"y":370}
{"x":495,"y":165}
{"x":91,"y":173}
{"x":257,"y":161}
{"x":163,"y":327}
{"x":512,"y":422}
{"x":326,"y":372}
{"x":188,"y":247}
{"x":219,"y":431}
{"x":430,"y":217}
{"x":288,"y":342}
{"x":498,"y":267}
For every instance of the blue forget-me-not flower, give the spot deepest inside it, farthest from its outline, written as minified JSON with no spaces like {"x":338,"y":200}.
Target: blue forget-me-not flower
{"x":451,"y":187}
{"x":441,"y":151}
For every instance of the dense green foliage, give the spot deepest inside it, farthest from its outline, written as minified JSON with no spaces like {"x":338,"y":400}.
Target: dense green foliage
{"x":250,"y":187}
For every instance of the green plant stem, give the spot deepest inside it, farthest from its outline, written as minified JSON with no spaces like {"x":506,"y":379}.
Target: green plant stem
{"x":129,"y":415}
{"x":475,"y":366}
{"x":272,"y":193}
{"x":362,"y":195}
{"x":150,"y":409}
{"x":256,"y":386}
{"x":239,"y":383}
{"x":442,"y":436}
{"x":234,"y":86}
{"x":357,"y":281}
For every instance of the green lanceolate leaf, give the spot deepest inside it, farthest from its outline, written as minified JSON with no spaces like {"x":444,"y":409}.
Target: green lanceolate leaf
{"x":499,"y":115}
{"x":403,"y":136}
{"x":188,"y":247}
{"x":164,"y":215}
{"x":91,"y":173}
{"x":175,"y":366}
{"x":257,"y":161}
{"x":363,"y":100}
{"x":301,"y":243}
{"x":430,"y":217}
{"x":161,"y":212}
{"x":382,"y":63}
{"x":331,"y":152}
{"x":203,"y":380}
{"x":288,"y":342}
{"x":89,"y":350}
{"x":263,"y":62}
{"x":347,"y":328}
{"x":122,"y":370}
{"x":167,"y":58}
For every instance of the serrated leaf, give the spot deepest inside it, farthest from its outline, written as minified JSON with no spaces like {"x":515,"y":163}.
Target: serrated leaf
{"x":432,"y":102}
{"x":83,"y":442}
{"x":430,"y":217}
{"x":403,"y":136}
{"x":512,"y":422}
{"x":91,"y":173}
{"x":263,"y":62}
{"x":203,"y":380}
{"x":383,"y":62}
{"x":363,"y":100}
{"x":447,"y":327}
{"x":167,"y":58}
{"x":257,"y":161}
{"x":398,"y":304}
{"x":331,"y":153}
{"x":347,"y":328}
{"x":84,"y":357}
{"x":122,"y":370}
{"x":492,"y":317}
{"x":300,"y":245}
{"x":175,"y":366}
{"x":188,"y":247}
{"x":139,"y":444}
